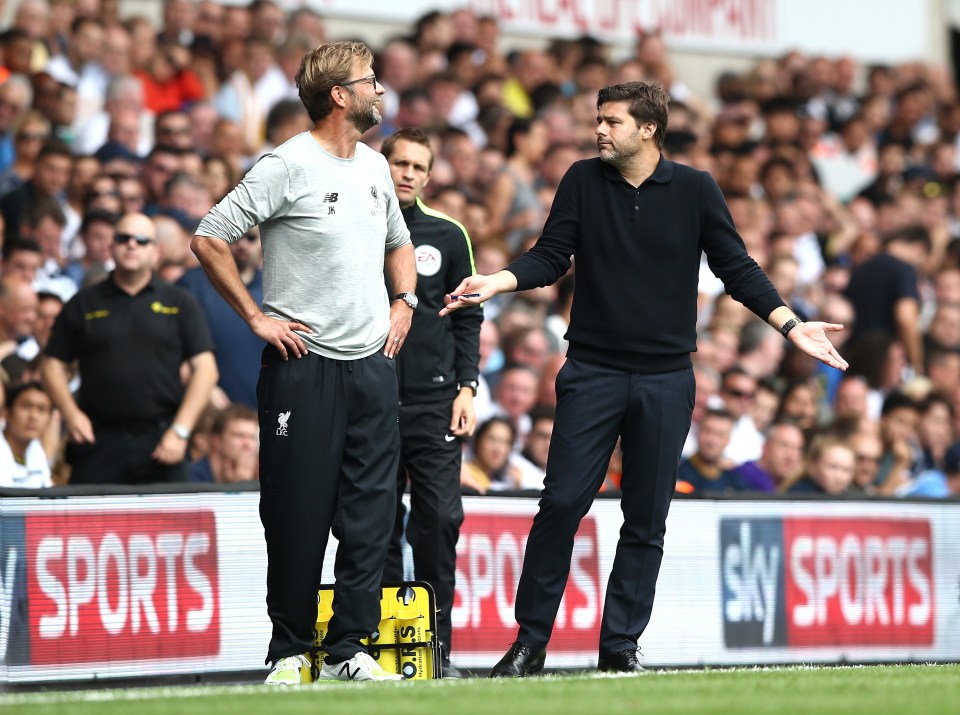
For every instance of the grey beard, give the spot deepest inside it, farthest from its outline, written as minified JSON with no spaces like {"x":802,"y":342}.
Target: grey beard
{"x":364,"y":120}
{"x":615,"y":159}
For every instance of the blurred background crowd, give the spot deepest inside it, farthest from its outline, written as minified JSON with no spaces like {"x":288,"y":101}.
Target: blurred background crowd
{"x":841,"y":178}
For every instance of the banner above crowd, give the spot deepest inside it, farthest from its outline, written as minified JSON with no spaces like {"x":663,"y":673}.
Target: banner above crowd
{"x":879,"y":31}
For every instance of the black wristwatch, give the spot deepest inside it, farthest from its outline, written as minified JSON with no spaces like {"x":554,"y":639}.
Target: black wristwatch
{"x":789,"y":325}
{"x":408,"y":298}
{"x":472,"y":384}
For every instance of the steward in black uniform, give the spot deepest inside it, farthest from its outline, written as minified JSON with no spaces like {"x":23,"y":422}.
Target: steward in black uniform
{"x":437,"y":370}
{"x":130,"y":334}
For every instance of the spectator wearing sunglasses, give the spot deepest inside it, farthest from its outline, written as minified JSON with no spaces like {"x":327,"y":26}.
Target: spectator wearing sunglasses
{"x":132,"y":418}
{"x":737,"y":390}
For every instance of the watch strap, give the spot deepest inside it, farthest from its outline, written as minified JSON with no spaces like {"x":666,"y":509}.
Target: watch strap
{"x":472,"y":384}
{"x":789,"y":325}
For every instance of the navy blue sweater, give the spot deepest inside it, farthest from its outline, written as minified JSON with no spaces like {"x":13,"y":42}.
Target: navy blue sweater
{"x":637,"y":254}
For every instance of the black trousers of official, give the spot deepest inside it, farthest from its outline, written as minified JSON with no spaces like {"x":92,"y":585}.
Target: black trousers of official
{"x":431,"y":459}
{"x":595,"y":405}
{"x":329,"y":449}
{"x":122,"y":456}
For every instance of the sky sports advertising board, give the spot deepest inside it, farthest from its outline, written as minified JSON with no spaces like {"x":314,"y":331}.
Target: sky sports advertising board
{"x":119,"y":586}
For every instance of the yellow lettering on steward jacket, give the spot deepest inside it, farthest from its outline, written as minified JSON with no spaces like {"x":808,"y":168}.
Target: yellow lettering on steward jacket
{"x":158,"y":307}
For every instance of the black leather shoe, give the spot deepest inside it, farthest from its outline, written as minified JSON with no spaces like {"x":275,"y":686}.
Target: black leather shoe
{"x":624,"y":661}
{"x":519,"y":662}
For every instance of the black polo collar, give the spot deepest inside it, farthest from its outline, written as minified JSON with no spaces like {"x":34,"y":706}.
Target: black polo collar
{"x":153,"y":285}
{"x":661,"y":175}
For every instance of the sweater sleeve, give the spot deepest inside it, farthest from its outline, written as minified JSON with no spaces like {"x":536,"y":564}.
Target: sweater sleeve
{"x":261,"y":195}
{"x":550,"y":257}
{"x":727,"y":256}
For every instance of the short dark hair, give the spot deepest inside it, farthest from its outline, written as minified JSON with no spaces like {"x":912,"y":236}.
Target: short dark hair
{"x":43,"y":295}
{"x":14,"y":392}
{"x":283,"y":111}
{"x":232,"y":413}
{"x":648,"y":103}
{"x":718,"y":413}
{"x":732,"y":371}
{"x":485,"y":427}
{"x":410,"y":134}
{"x":28,"y":245}
{"x":520,"y":125}
{"x":913,"y":234}
{"x":542,"y":412}
{"x":896,"y":400}
{"x":45,"y":208}
{"x":54,"y":147}
{"x":98,"y":216}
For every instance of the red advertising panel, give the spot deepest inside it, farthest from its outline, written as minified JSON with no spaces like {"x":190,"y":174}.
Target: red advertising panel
{"x":858,"y":582}
{"x":489,"y":557}
{"x":122,"y":585}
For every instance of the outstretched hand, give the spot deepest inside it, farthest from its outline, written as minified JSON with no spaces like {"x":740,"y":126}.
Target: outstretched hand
{"x":811,"y":338}
{"x":474,"y":290}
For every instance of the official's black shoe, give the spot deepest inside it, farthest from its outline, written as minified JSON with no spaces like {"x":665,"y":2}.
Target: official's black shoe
{"x":520,"y":661}
{"x":624,"y":661}
{"x":450,"y":670}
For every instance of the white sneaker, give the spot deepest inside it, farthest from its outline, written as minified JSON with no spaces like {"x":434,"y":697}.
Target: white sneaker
{"x":293,"y":670}
{"x":359,"y":667}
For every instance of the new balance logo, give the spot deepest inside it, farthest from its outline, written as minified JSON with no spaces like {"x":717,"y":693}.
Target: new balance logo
{"x":345,"y":670}
{"x":282,"y":419}
{"x":330,"y":198}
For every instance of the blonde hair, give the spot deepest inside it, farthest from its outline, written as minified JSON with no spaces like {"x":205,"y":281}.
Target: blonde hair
{"x":322,"y":69}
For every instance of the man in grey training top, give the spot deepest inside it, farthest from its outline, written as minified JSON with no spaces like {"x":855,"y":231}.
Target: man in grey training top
{"x":330,"y":227}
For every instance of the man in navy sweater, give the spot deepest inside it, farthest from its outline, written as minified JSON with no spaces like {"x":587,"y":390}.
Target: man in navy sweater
{"x":636,"y":224}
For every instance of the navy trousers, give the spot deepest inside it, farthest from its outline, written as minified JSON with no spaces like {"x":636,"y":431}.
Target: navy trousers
{"x":596,"y":405}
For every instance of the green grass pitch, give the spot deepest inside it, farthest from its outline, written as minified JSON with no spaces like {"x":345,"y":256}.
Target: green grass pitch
{"x":871,"y":690}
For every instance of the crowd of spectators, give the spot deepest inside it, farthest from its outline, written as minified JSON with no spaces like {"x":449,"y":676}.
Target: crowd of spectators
{"x":841,"y":178}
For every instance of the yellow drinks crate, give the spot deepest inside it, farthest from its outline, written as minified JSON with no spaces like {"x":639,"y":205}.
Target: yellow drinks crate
{"x":405,"y":642}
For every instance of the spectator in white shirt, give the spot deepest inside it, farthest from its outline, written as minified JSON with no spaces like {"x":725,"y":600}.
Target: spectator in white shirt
{"x":23,"y":462}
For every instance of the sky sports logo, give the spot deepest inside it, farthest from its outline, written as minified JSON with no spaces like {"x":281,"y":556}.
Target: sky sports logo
{"x":813,"y":582}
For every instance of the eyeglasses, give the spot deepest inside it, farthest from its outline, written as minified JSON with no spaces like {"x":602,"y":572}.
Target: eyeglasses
{"x":741,"y":394}
{"x":121,"y":239}
{"x":372,"y":79}
{"x":868,"y":458}
{"x":28,"y":137}
{"x":175,"y":130}
{"x":101,"y":194}
{"x":130,"y":198}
